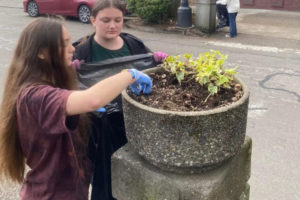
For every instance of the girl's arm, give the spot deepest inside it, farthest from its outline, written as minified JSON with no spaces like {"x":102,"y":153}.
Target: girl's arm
{"x":98,"y":95}
{"x":105,"y":91}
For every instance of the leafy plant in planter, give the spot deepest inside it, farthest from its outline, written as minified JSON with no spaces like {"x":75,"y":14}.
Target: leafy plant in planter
{"x":187,"y":84}
{"x":207,"y":69}
{"x":195,"y":117}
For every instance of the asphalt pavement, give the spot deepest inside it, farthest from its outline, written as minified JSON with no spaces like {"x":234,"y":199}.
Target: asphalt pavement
{"x":267,"y":49}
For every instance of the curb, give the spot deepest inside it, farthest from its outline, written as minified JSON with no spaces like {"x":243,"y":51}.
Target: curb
{"x":168,"y":29}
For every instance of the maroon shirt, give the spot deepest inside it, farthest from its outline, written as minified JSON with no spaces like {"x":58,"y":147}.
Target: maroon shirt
{"x":59,"y":170}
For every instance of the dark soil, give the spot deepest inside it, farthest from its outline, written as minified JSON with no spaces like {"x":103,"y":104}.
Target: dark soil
{"x":168,"y":94}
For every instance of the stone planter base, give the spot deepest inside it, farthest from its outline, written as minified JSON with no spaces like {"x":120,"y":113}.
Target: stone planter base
{"x":133,"y":178}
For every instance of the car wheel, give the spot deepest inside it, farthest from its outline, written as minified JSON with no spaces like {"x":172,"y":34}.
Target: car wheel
{"x":84,"y":13}
{"x":32,"y":9}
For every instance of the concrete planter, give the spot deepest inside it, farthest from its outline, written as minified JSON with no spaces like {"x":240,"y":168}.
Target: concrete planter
{"x":186,"y":142}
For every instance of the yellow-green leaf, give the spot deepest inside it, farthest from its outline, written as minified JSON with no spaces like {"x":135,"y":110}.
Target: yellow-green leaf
{"x":222,"y":79}
{"x":180,"y":76}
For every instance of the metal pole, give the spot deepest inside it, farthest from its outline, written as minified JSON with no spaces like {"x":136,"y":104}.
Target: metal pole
{"x":184,"y":15}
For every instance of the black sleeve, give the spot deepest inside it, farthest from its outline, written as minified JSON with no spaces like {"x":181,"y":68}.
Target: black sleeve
{"x":135,"y":45}
{"x":83,"y":49}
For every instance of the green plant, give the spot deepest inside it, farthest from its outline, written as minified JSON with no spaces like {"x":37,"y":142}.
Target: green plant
{"x":207,"y":70}
{"x":152,"y":11}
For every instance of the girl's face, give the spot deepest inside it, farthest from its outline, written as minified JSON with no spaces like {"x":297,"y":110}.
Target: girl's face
{"x":68,"y":48}
{"x":108,"y":23}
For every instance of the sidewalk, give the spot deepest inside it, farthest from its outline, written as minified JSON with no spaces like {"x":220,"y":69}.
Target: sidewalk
{"x":271,"y":23}
{"x":256,"y":28}
{"x":268,"y":23}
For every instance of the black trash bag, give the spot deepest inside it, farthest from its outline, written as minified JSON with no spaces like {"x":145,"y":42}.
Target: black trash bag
{"x":91,"y":73}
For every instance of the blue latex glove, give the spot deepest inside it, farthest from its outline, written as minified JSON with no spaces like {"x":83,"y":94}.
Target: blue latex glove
{"x":101,"y":110}
{"x":142,"y":83}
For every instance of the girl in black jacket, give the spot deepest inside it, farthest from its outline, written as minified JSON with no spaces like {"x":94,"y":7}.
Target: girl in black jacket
{"x":108,"y":133}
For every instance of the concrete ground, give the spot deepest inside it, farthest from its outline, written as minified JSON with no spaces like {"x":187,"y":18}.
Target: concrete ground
{"x":267,"y":51}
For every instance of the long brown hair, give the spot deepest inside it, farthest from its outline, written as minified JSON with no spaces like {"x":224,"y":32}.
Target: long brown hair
{"x":26,"y":68}
{"x":102,"y":4}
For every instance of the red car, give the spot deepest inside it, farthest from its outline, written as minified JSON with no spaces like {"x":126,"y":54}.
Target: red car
{"x":76,"y":8}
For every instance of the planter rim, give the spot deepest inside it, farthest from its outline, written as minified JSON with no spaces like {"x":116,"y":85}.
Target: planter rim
{"x":189,"y":113}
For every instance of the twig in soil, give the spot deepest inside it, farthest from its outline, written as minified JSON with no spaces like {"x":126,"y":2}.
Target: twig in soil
{"x":189,"y":74}
{"x":206,"y":99}
{"x":155,"y":100}
{"x":189,"y":80}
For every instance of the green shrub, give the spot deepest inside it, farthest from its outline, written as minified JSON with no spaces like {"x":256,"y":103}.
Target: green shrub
{"x":152,"y":11}
{"x":131,"y":5}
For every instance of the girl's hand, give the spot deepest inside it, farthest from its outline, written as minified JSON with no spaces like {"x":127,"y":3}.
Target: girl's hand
{"x":76,"y":64}
{"x":159,"y":56}
{"x":142,"y":82}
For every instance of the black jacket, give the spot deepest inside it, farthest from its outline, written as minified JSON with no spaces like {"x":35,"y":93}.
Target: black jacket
{"x":84,"y":46}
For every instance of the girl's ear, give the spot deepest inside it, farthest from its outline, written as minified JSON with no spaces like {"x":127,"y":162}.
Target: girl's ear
{"x":42,"y":54}
{"x":92,"y":19}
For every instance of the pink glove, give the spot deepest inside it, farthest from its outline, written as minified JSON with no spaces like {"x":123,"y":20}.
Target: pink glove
{"x":159,"y":56}
{"x":76,"y":64}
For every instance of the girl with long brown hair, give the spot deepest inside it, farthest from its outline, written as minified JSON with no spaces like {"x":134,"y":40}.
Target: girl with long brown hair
{"x":41,"y":113}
